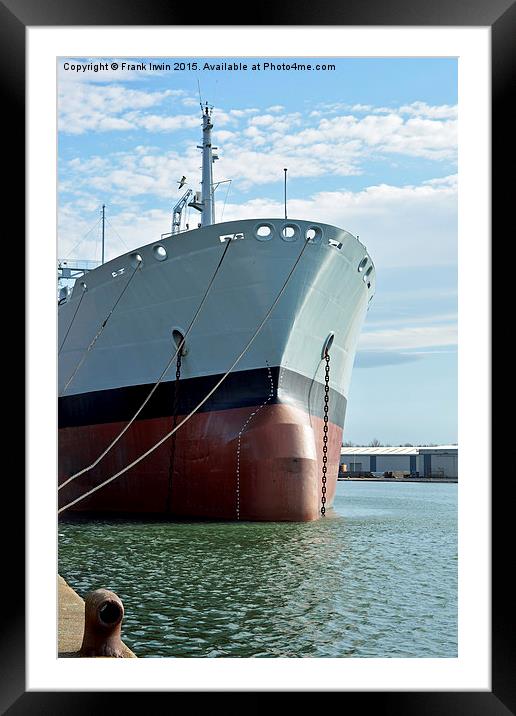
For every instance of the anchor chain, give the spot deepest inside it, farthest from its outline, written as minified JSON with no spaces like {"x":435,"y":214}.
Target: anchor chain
{"x":175,"y":407}
{"x":325,"y":431}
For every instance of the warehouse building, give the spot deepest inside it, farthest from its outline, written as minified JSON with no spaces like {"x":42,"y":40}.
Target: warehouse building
{"x":430,"y":462}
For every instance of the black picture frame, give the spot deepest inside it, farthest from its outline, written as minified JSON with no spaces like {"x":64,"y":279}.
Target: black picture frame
{"x":500,"y":16}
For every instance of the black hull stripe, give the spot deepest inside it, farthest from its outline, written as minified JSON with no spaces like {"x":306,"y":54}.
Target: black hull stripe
{"x":240,"y":389}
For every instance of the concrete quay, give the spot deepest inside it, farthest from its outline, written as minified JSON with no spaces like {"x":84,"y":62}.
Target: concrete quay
{"x":71,"y":609}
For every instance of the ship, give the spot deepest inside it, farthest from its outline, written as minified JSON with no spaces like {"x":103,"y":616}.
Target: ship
{"x":205,"y":375}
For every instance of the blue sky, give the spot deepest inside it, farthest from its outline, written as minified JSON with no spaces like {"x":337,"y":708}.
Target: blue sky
{"x":370,"y":146}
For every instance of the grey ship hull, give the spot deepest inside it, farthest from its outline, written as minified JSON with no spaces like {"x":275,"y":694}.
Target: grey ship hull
{"x":254,"y":449}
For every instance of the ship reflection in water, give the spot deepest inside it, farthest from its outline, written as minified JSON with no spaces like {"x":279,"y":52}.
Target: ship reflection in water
{"x":377,"y":578}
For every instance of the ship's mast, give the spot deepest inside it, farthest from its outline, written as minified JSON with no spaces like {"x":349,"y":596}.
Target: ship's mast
{"x":207,"y":214}
{"x":205,"y":203}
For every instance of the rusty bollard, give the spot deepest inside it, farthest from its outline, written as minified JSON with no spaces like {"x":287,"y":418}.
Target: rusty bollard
{"x":103,"y":614}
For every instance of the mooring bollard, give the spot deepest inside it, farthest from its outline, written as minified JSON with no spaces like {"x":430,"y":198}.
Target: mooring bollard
{"x":103,"y":614}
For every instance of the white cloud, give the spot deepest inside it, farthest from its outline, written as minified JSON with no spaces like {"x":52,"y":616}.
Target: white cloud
{"x":93,"y":164}
{"x":160,"y":123}
{"x":190,"y":102}
{"x":332,"y":145}
{"x":263,"y":120}
{"x":224,"y":135}
{"x":450,"y":180}
{"x":86,"y":107}
{"x":422,"y":109}
{"x":406,"y":226}
{"x":126,"y":229}
{"x":243,"y":112}
{"x":409,"y":337}
{"x":410,"y":226}
{"x":362,"y":108}
{"x":416,"y":136}
{"x":418,"y":108}
{"x":282,"y":123}
{"x":148,"y":174}
{"x":246,"y":157}
{"x":395,"y":321}
{"x":416,"y":130}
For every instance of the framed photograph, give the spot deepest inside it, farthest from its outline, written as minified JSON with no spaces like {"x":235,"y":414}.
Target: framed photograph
{"x":374,"y":120}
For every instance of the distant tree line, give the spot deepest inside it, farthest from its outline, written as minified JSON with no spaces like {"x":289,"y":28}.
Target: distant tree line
{"x":378,"y":443}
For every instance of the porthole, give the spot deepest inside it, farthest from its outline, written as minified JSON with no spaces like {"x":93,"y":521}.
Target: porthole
{"x":160,"y":252}
{"x":369,"y":270}
{"x":363,"y":263}
{"x":290,"y":232}
{"x":263,"y":232}
{"x":177,"y":337}
{"x":136,"y":260}
{"x":314,"y":234}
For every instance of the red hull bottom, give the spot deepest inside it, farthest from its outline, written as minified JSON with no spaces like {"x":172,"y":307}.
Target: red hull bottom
{"x":226,"y":464}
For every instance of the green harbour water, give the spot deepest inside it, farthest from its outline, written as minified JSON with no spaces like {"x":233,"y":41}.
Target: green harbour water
{"x":376,"y":578}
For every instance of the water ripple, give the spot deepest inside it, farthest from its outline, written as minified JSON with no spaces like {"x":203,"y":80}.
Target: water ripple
{"x":378,"y":578}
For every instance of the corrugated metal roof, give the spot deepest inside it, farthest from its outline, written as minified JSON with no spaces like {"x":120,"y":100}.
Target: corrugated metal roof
{"x":415,"y":450}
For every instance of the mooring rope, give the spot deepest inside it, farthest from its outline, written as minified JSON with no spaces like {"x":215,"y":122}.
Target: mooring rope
{"x":73,"y":319}
{"x":155,"y":386}
{"x":102,"y":326}
{"x":199,"y":405}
